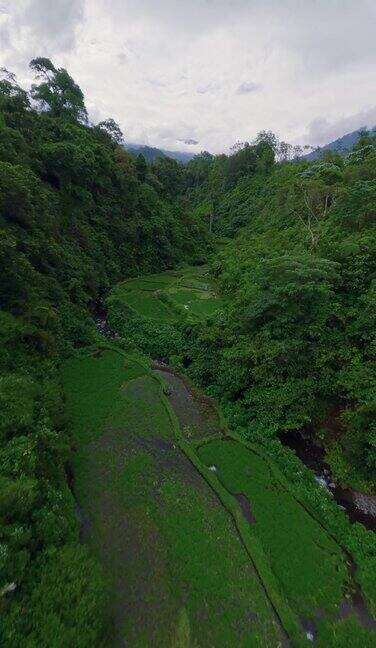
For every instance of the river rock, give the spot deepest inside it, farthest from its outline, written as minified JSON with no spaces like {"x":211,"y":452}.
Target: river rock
{"x":321,"y":480}
{"x":365,"y":503}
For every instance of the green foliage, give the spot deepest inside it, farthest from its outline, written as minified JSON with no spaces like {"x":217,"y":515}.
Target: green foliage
{"x":57,"y":91}
{"x":76,"y":215}
{"x":63,"y":604}
{"x":295,"y":341}
{"x":344,"y":634}
{"x":80,"y":380}
{"x":17,"y":396}
{"x":169,"y":174}
{"x":308,"y":564}
{"x":148,"y":312}
{"x":291,"y":341}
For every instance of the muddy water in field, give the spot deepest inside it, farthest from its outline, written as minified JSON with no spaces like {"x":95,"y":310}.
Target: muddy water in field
{"x":197,"y":414}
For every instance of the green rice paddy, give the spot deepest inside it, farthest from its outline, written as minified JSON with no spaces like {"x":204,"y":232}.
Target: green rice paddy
{"x":201,"y":540}
{"x":177,"y":572}
{"x":164,"y":297}
{"x":309,"y":565}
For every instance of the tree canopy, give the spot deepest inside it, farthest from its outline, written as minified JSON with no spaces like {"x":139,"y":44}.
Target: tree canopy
{"x":77,"y":213}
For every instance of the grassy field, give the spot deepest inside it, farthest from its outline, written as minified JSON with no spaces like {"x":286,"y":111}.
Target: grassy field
{"x":309,"y":565}
{"x":147,"y":304}
{"x":178,"y":575}
{"x":164,"y":297}
{"x":91,"y":385}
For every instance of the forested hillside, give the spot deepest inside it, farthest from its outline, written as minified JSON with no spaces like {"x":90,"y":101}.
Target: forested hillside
{"x":274,"y":317}
{"x":296,"y":346}
{"x":289,"y":347}
{"x":76,"y":215}
{"x":343,"y":145}
{"x":151,"y":153}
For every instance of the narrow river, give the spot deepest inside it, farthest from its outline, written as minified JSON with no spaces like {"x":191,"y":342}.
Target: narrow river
{"x":358,"y":506}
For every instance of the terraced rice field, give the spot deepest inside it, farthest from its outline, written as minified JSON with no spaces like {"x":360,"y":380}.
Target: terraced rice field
{"x":201,"y":539}
{"x":177,"y":572}
{"x":164,"y":297}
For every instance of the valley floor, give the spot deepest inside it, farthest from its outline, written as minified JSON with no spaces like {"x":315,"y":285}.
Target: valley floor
{"x":178,"y":574}
{"x":201,"y":541}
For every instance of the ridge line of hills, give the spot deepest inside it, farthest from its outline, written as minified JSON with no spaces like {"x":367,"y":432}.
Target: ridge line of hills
{"x":341,"y":145}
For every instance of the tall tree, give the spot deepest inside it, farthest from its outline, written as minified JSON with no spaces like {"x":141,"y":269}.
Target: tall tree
{"x":57,"y":92}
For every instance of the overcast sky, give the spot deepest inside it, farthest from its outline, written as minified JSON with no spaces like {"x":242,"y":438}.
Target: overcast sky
{"x":202,"y":74}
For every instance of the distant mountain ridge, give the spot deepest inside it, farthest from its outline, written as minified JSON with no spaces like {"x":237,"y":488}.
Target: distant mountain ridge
{"x":151,"y":153}
{"x":341,"y":145}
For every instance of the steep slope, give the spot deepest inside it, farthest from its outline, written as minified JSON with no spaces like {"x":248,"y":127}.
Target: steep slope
{"x":75,"y":216}
{"x":341,"y":145}
{"x":294,"y":348}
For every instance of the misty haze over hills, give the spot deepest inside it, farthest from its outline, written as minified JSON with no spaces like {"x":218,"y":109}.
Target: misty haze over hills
{"x":151,"y":153}
{"x":341,"y":145}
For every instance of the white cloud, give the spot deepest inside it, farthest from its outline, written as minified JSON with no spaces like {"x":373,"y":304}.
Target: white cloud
{"x":248,"y":86}
{"x":207,"y":88}
{"x":171,"y":72}
{"x":31,"y":28}
{"x":189,"y":141}
{"x":321,"y":131}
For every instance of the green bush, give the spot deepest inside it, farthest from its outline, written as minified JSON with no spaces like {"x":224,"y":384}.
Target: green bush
{"x":63,"y":603}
